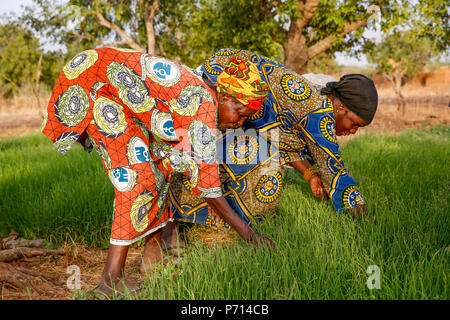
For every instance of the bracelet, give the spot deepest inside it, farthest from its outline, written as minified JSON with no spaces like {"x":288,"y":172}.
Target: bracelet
{"x":309,"y":173}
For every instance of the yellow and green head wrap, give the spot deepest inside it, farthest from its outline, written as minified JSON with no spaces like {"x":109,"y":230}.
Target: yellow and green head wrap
{"x":242,"y":80}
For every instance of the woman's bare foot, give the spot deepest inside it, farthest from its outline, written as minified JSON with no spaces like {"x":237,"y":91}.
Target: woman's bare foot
{"x":153,"y":252}
{"x":117,"y":287}
{"x":172,"y":242}
{"x":113,"y":279}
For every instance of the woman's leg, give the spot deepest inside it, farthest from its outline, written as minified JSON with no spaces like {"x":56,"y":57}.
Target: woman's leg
{"x":171,"y":239}
{"x":113,"y":274}
{"x":152,"y":251}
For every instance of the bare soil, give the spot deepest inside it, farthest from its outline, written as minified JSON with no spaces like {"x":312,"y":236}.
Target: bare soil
{"x":48,"y":277}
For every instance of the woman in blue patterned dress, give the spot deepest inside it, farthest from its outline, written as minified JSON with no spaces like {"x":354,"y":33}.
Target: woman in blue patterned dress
{"x":297,"y":127}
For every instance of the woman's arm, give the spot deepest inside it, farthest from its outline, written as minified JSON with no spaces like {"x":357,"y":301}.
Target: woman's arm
{"x":223,"y":209}
{"x":312,"y":177}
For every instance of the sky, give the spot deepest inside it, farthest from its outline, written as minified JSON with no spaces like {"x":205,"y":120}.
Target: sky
{"x":14,"y":6}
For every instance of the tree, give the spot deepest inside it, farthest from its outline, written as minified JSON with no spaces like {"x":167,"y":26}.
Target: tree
{"x":292,"y":31}
{"x":400,"y":56}
{"x":137,"y":24}
{"x":19,"y":57}
{"x":296,"y":31}
{"x":406,"y":48}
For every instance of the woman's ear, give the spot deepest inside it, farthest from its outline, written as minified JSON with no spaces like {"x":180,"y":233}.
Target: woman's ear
{"x":340,"y":105}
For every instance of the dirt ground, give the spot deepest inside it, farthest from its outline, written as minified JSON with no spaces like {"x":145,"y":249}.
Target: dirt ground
{"x":51,"y":275}
{"x":21,"y":121}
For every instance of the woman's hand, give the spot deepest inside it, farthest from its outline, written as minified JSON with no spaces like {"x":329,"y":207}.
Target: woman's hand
{"x":223,"y":210}
{"x":260,"y":240}
{"x":317,"y":187}
{"x":360,"y":212}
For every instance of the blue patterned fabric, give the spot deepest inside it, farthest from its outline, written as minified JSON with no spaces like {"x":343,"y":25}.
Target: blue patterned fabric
{"x":296,"y":123}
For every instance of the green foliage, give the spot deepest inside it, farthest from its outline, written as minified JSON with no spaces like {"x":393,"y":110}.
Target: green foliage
{"x":262,"y":25}
{"x":232,"y":24}
{"x":49,"y":195}
{"x":320,"y":254}
{"x":190,"y":30}
{"x":19,"y":56}
{"x":430,"y":19}
{"x":402,"y":53}
{"x":323,"y":63}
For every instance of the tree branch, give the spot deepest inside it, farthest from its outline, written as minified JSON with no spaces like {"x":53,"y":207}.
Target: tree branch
{"x":150,"y":14}
{"x":308,"y":9}
{"x":80,"y":37}
{"x":117,"y":43}
{"x":129,"y":41}
{"x":326,"y":43}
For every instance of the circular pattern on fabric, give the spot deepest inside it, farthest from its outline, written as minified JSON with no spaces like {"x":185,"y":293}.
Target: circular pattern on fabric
{"x":162,"y":125}
{"x":80,"y":63}
{"x":258,"y":114}
{"x":202,"y":140}
{"x":333,"y":165}
{"x":269,"y":187}
{"x":65,"y":141}
{"x":190,"y":99}
{"x":139,"y":211}
{"x":327,"y":104}
{"x":109,"y":117}
{"x":295,"y":88}
{"x":121,"y":77}
{"x":243,"y":150}
{"x":137,"y":151}
{"x":162,"y":71}
{"x":123,"y":179}
{"x":72,"y":106}
{"x":327,"y":126}
{"x":216,"y":71}
{"x":132,"y":90}
{"x":284,"y":157}
{"x":351,"y":197}
{"x":186,"y":182}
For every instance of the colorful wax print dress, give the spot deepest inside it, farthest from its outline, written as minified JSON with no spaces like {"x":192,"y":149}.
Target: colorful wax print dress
{"x":296,"y":123}
{"x":148,"y":117}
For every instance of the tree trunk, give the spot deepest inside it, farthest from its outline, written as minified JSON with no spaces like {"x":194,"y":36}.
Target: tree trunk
{"x":396,"y":81}
{"x":296,"y":54}
{"x":295,"y":50}
{"x":128,"y":39}
{"x":401,"y":104}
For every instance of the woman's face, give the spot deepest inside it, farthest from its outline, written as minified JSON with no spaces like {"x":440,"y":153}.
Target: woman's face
{"x":347,"y":122}
{"x":232,"y":113}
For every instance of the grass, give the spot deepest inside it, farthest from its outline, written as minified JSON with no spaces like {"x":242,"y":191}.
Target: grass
{"x":53,"y":196}
{"x":320,"y":254}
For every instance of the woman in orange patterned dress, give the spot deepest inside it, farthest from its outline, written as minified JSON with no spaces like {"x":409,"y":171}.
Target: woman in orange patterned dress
{"x":149,"y":117}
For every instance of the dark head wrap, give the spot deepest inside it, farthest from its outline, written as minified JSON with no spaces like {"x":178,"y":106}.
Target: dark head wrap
{"x":357,"y":93}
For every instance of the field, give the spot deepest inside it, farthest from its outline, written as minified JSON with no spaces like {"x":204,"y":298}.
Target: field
{"x":403,"y":177}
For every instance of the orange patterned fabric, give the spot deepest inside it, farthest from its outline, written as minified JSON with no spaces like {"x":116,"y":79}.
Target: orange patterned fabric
{"x":148,"y":117}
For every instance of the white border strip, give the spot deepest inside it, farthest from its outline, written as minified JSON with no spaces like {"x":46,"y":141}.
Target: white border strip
{"x":119,"y":242}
